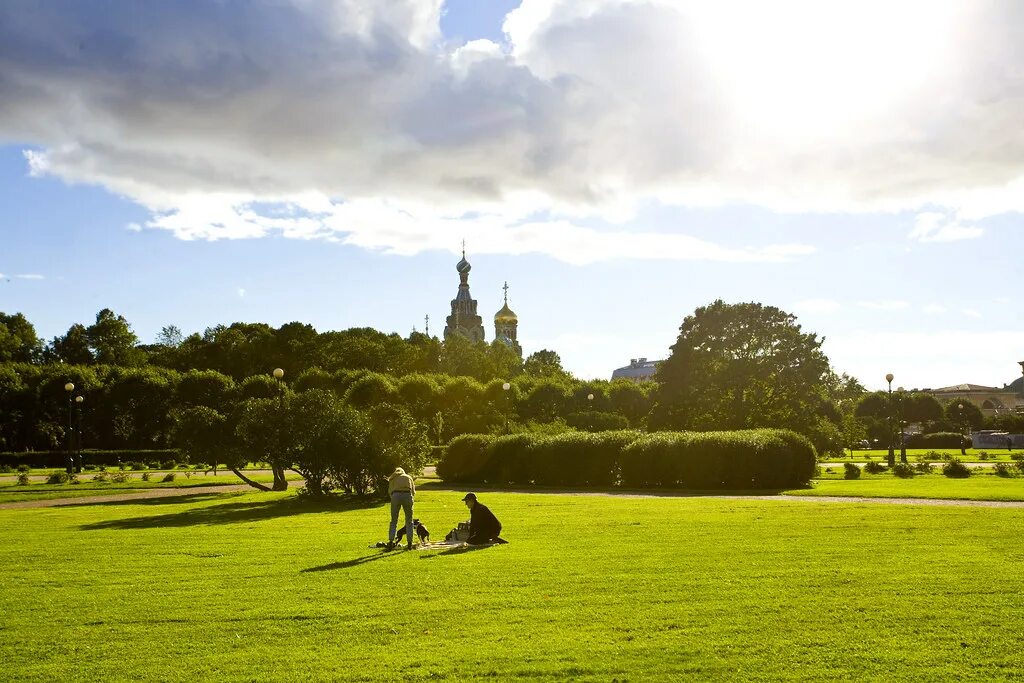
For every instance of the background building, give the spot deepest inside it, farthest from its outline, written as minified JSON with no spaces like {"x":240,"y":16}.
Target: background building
{"x":638,"y":370}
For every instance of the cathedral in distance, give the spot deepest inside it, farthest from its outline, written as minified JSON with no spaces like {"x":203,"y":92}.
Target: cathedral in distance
{"x":464,"y":320}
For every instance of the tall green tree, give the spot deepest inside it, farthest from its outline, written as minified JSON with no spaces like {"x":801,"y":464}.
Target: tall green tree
{"x":112,"y":340}
{"x":71,"y":349}
{"x":545,"y":363}
{"x":18,"y":340}
{"x":737,"y":366}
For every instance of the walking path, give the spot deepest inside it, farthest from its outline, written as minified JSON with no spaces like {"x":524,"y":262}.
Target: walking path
{"x":234,"y":488}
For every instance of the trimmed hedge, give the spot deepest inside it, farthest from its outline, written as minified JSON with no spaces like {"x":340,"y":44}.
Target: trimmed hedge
{"x":748,"y":459}
{"x":42,"y":459}
{"x":938,"y":440}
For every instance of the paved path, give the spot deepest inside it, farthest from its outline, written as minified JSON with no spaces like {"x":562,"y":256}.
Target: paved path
{"x":233,"y":488}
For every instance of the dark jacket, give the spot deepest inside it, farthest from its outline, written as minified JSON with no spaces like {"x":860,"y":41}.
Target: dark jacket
{"x":483,"y":525}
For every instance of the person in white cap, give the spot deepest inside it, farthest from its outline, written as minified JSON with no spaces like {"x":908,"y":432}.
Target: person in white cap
{"x":402,"y":490}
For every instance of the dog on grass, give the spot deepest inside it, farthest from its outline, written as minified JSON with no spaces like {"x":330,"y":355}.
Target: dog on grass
{"x":420,"y":530}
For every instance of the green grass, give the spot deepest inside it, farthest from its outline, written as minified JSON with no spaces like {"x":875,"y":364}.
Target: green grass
{"x":972,"y":455}
{"x":977,"y":487}
{"x":268,"y":587}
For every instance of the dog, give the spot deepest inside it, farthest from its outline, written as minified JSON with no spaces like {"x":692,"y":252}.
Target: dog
{"x":420,"y":530}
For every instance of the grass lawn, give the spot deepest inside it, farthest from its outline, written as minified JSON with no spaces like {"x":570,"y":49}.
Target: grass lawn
{"x":979,"y":486}
{"x":10,"y":492}
{"x":269,"y":587}
{"x":972,"y":455}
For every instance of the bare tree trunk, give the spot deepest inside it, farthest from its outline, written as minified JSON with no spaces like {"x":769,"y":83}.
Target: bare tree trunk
{"x":250,"y":482}
{"x":280,"y":482}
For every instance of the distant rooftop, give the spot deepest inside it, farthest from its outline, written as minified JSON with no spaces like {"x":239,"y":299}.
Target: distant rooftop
{"x":638,"y":369}
{"x":967,"y":388}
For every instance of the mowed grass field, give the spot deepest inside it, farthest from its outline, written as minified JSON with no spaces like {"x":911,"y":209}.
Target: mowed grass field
{"x":269,"y":587}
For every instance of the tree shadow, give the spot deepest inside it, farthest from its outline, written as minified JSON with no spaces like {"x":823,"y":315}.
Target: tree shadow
{"x":164,"y":500}
{"x":237,"y":513}
{"x":350,"y":563}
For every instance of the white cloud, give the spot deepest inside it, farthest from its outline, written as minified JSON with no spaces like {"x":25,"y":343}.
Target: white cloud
{"x":133,"y":227}
{"x":971,"y":313}
{"x":30,"y":276}
{"x":939,"y":227}
{"x":884,"y":305}
{"x":933,"y":309}
{"x":241,"y":292}
{"x":816,"y":306}
{"x":198,"y":112}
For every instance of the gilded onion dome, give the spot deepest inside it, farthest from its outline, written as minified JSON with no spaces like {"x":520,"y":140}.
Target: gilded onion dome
{"x":505,"y":315}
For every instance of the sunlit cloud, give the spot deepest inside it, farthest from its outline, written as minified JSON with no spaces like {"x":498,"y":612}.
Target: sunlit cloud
{"x":939,"y":227}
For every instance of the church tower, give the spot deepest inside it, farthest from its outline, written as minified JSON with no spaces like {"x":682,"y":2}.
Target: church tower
{"x":505,"y":325}
{"x":464,"y":321}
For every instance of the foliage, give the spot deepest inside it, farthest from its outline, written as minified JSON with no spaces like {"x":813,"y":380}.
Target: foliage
{"x":961,"y":412}
{"x":740,"y":366}
{"x":23,"y":479}
{"x":18,"y":340}
{"x":903,"y":470}
{"x":938,"y":440}
{"x":58,"y":477}
{"x":595,"y":421}
{"x":1001,"y":469}
{"x":874,"y":467}
{"x":544,"y":363}
{"x":465,"y":458}
{"x":169,"y":477}
{"x":956,"y":469}
{"x":850,"y":471}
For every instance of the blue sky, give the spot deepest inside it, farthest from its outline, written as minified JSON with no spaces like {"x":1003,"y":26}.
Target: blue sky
{"x":618,"y":163}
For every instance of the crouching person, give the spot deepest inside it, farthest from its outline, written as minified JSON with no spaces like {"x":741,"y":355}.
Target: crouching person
{"x":484,"y":527}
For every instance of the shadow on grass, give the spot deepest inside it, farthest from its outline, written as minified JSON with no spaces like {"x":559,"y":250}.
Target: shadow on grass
{"x":178,"y":499}
{"x":440,"y":486}
{"x":235,"y":513}
{"x":351,"y":563}
{"x":457,"y":551}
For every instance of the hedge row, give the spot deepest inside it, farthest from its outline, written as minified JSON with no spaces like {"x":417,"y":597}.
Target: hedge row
{"x":41,"y":459}
{"x":938,"y":440}
{"x":749,"y":459}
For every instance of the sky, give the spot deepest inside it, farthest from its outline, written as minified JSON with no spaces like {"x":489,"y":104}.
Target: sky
{"x":618,"y":162}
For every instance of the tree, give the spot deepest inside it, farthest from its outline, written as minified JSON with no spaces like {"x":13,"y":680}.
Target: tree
{"x":544,"y":363}
{"x":204,"y":388}
{"x":18,"y":340}
{"x":170,"y":336}
{"x":629,"y":400}
{"x":738,"y":366}
{"x":72,"y":348}
{"x":962,"y":413}
{"x":112,"y":340}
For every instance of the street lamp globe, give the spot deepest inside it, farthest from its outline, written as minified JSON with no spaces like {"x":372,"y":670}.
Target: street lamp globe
{"x":590,"y":397}
{"x":69,"y":387}
{"x":506,"y":386}
{"x":888,"y":378}
{"x":79,"y":399}
{"x":278,"y":373}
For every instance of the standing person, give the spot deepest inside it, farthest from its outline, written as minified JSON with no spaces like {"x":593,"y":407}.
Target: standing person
{"x":484,"y":527}
{"x":402,"y":490}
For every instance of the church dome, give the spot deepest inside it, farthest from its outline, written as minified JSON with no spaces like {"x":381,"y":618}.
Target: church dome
{"x":463,"y":265}
{"x":505,"y":315}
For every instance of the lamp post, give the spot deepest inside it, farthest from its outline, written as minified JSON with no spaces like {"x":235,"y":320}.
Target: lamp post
{"x":963,"y":430}
{"x":892,"y":453}
{"x":69,"y":465}
{"x":78,"y":431}
{"x":279,"y":481}
{"x":506,"y":387}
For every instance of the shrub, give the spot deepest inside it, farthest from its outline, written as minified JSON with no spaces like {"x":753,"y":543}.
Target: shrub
{"x":509,"y":461}
{"x":169,"y":464}
{"x":58,"y":477}
{"x":5,"y":469}
{"x":24,"y":468}
{"x":1017,"y":457}
{"x":924,"y":468}
{"x":153,"y":465}
{"x":145,"y":476}
{"x":903,"y":470}
{"x":938,"y":440}
{"x":23,"y":479}
{"x":983,"y":455}
{"x":1001,"y":469}
{"x":580,"y":458}
{"x":850,"y":471}
{"x":168,"y":477}
{"x":100,"y":477}
{"x":956,"y":469}
{"x":72,"y":479}
{"x":120,"y":477}
{"x":875,"y":467}
{"x":596,"y":421}
{"x":137,"y":466}
{"x":465,"y":458}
